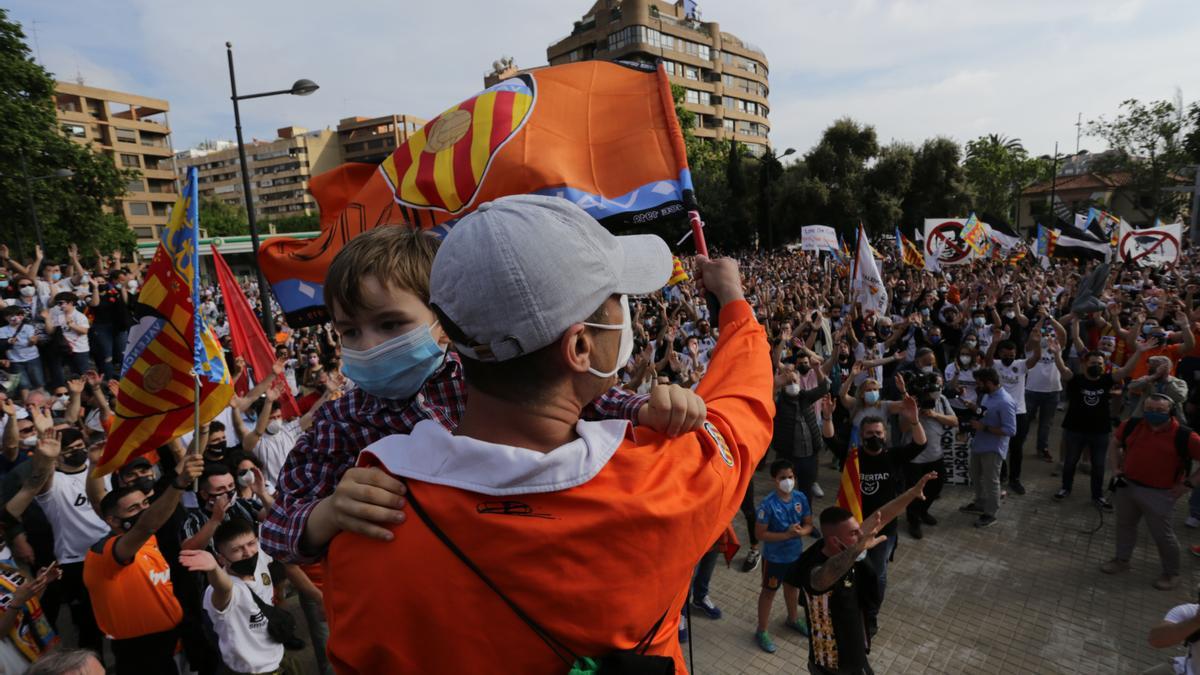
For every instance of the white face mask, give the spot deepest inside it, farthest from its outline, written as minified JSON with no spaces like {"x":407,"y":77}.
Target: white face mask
{"x":274,"y":426}
{"x":29,"y":442}
{"x":792,"y":389}
{"x":626,"y":348}
{"x":965,"y":360}
{"x":28,"y":291}
{"x":787,"y":485}
{"x":860,"y":557}
{"x":246,"y":478}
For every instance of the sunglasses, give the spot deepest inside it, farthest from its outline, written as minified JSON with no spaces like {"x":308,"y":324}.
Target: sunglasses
{"x":24,"y":285}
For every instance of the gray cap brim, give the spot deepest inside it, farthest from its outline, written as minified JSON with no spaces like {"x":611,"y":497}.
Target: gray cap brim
{"x":647,"y":266}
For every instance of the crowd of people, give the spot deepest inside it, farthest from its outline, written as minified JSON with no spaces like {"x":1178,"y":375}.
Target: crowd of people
{"x":439,"y":388}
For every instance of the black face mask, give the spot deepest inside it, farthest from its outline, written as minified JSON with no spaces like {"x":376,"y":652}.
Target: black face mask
{"x":1007,"y":360}
{"x":803,"y":368}
{"x":1095,"y":371}
{"x":873,"y":444}
{"x":128,"y":523}
{"x":75,"y":458}
{"x":214,"y":453}
{"x":146,"y":485}
{"x":245,"y":567}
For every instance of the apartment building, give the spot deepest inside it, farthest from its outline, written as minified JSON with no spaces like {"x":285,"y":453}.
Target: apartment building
{"x":724,"y":77}
{"x":134,"y":131}
{"x":280,"y":170}
{"x":372,"y":139}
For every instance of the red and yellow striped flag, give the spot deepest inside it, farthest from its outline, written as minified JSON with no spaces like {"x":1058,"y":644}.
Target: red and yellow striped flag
{"x":168,"y":348}
{"x":850,"y":491}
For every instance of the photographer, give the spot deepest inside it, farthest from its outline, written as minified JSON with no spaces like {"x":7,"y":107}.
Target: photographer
{"x":1179,"y":626}
{"x":940,"y":425}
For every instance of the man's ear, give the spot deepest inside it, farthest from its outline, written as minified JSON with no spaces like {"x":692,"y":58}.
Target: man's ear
{"x":577,"y":348}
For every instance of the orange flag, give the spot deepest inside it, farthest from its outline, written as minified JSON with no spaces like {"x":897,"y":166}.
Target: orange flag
{"x":600,"y":134}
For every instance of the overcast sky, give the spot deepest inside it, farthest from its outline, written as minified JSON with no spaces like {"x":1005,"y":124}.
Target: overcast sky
{"x":913,"y":69}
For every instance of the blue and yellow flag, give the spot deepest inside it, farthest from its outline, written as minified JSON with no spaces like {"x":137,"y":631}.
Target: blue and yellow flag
{"x":167,"y":349}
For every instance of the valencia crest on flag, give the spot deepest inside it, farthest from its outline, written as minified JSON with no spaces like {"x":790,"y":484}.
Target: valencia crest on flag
{"x":168,"y":347}
{"x":602,"y":135}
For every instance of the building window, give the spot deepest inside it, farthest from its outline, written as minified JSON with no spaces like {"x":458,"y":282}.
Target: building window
{"x":126,"y":135}
{"x":697,"y":97}
{"x":130,"y":161}
{"x":75,"y":130}
{"x":135,"y":186}
{"x":691,"y":73}
{"x":728,"y":124}
{"x":139,"y":209}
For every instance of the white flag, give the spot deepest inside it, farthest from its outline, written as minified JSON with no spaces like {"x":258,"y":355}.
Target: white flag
{"x":867,"y":283}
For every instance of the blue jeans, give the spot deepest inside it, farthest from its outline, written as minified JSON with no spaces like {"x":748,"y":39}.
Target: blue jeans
{"x":703,"y":574}
{"x":1040,"y":405}
{"x":108,"y":342}
{"x":1194,"y":503}
{"x":31,"y":373}
{"x":1074,"y":443}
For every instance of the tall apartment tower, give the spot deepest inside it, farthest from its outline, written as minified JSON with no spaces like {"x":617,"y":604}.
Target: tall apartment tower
{"x":279,"y":171}
{"x":724,"y":77}
{"x":134,"y":131}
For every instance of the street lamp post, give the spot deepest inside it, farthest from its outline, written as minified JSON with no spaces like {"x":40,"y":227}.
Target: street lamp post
{"x":299,"y":88}
{"x":765,"y":167}
{"x":60,"y":173}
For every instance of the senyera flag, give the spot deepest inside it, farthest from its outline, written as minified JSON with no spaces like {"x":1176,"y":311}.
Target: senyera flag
{"x":603,"y":135}
{"x":168,"y":348}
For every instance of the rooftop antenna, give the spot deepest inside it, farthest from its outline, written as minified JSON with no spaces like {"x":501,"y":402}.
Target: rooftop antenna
{"x":1078,"y":131}
{"x":37,"y":46}
{"x":78,"y":73}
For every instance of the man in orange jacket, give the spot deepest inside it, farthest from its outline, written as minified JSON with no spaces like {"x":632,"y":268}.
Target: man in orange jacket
{"x":541,"y":539}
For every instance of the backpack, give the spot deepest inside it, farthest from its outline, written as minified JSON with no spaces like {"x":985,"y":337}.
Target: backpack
{"x":1182,"y":435}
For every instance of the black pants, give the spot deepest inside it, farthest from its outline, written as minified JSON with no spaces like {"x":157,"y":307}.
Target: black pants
{"x":153,"y":653}
{"x":74,"y":594}
{"x":933,"y":489}
{"x":1015,"y":445}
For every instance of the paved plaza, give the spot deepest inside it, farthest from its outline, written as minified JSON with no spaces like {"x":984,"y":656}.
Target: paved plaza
{"x":1023,"y":596}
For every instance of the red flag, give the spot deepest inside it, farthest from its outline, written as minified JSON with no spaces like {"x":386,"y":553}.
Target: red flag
{"x":249,"y":340}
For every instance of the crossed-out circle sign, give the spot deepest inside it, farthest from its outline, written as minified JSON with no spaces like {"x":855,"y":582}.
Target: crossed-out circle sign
{"x":1140,"y":244}
{"x":953,"y":248}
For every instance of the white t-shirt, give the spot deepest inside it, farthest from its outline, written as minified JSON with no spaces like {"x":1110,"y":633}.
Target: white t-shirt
{"x":1190,"y":664}
{"x":79,"y":343}
{"x":1044,"y":377}
{"x":76,"y":526}
{"x":273,"y":449}
{"x":966,"y":380}
{"x":1012,"y":378}
{"x":241,"y":627}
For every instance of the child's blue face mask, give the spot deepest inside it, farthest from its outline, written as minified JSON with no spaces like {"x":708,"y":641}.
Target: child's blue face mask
{"x":397,"y":368}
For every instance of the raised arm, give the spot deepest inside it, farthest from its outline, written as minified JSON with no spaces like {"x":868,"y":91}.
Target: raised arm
{"x":158,"y":513}
{"x":222,"y":584}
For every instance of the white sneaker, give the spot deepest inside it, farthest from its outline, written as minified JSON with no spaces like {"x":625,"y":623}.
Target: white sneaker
{"x":817,"y":491}
{"x":1192,"y":522}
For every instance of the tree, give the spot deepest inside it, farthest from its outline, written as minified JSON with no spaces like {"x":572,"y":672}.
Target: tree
{"x":886,"y":183}
{"x":996,"y":169}
{"x":837,"y":166}
{"x":300,"y":223}
{"x":219,"y":219}
{"x":938,"y":187}
{"x":1149,"y":142}
{"x":82,"y":209}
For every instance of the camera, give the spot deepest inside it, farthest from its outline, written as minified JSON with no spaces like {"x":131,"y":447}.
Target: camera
{"x":922,"y":386}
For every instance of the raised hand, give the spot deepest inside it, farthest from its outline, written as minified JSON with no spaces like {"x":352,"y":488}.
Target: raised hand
{"x":75,"y":386}
{"x":198,"y":561}
{"x":41,"y":420}
{"x":827,"y":406}
{"x":49,"y":445}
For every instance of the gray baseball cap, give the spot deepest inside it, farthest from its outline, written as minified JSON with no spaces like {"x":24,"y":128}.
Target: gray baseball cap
{"x":519,"y":271}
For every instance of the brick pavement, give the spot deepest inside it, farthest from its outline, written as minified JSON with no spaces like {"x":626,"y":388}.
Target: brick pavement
{"x":1023,"y":596}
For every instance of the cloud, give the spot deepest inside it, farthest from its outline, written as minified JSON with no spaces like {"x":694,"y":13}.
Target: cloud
{"x":913,"y":68}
